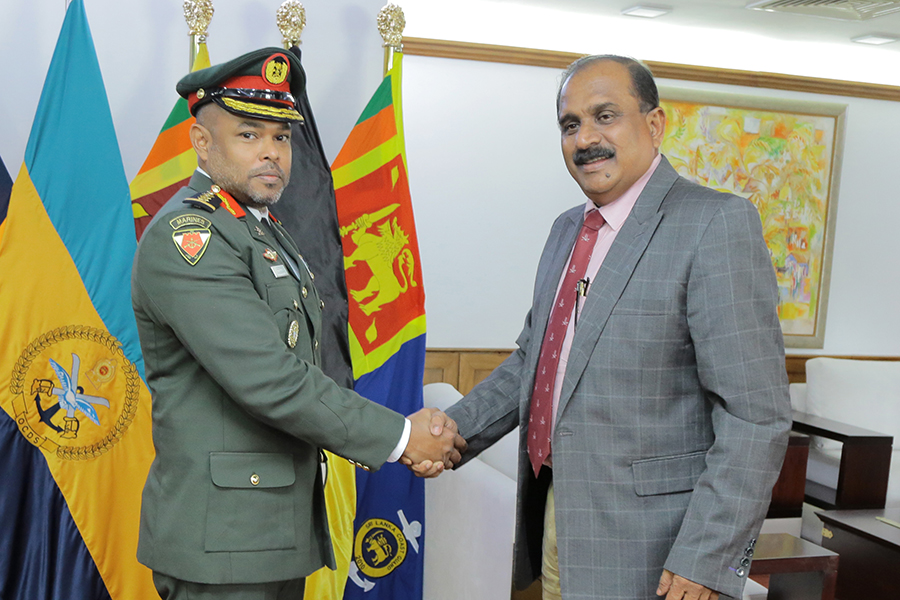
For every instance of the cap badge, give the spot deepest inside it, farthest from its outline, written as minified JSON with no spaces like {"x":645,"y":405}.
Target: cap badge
{"x":201,"y":93}
{"x":276,"y":69}
{"x":270,"y":254}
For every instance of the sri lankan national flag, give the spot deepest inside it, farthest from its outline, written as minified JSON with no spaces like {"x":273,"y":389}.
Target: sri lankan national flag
{"x":387,"y":337}
{"x":75,"y":420}
{"x":170,"y":163}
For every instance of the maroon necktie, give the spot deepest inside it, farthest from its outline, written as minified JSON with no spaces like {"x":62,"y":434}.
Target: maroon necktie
{"x":542,"y":397}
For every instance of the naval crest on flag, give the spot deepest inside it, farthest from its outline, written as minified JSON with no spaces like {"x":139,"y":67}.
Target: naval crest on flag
{"x":75,"y":392}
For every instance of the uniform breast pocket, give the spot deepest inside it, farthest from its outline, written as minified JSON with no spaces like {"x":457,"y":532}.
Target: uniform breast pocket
{"x":284,"y":298}
{"x":251,"y":502}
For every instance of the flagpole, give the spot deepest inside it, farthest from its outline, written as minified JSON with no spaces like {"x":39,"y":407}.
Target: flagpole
{"x":198,"y":14}
{"x":391,"y":23}
{"x":291,"y":19}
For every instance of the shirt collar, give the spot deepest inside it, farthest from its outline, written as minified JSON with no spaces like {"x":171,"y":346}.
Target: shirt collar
{"x":259,"y":213}
{"x":618,"y":210}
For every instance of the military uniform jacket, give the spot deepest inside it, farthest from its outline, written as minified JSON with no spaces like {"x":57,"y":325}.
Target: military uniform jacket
{"x":240,"y":407}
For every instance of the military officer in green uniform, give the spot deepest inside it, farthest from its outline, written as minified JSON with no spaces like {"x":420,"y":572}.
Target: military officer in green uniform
{"x":229,"y":323}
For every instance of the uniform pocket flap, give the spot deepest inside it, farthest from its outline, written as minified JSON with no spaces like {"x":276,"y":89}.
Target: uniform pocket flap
{"x":251,"y":469}
{"x":668,"y":474}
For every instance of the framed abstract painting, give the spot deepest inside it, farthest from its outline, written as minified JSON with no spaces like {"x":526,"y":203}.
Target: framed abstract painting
{"x":783,"y":156}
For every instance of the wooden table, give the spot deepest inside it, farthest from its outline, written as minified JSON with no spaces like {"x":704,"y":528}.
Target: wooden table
{"x":869,"y":549}
{"x":797,"y":569}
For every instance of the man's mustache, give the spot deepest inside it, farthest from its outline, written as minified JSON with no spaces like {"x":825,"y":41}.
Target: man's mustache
{"x":268,"y":170}
{"x":585,"y":155}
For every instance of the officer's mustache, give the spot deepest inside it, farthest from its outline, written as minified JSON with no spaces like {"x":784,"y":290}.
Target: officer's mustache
{"x":272,"y":169}
{"x":597,"y":152}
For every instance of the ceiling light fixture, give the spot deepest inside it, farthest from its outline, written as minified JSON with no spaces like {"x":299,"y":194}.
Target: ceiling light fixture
{"x":874,"y":39}
{"x":646,"y":10}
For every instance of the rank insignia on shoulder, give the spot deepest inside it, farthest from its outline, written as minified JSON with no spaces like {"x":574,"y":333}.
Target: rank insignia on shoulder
{"x":270,"y":254}
{"x":208,"y":201}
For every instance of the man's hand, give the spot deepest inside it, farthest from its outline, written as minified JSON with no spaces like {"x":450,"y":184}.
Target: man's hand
{"x":676,"y":587}
{"x":441,"y":426}
{"x":431,"y":445}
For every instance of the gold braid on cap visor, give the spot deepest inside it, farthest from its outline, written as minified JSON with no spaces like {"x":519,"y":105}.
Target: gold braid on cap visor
{"x":262,"y":109}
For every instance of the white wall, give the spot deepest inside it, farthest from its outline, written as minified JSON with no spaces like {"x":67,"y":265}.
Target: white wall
{"x":488,"y":179}
{"x":485,"y":169}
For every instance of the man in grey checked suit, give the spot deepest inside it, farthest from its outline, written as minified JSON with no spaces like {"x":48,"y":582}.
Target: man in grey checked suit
{"x":671,"y":405}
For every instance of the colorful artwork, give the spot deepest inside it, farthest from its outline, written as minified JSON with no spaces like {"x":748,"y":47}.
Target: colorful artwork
{"x":783,"y":161}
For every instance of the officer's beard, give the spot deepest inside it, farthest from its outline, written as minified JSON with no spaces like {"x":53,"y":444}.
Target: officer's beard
{"x":225,"y":175}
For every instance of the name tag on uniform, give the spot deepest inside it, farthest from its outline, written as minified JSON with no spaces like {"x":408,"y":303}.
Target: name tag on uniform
{"x":279,"y":270}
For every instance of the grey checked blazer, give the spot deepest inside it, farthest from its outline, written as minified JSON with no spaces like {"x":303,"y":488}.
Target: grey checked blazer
{"x":674,"y":413}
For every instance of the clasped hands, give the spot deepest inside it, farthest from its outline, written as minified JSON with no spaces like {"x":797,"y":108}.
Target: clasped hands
{"x":434,"y":443}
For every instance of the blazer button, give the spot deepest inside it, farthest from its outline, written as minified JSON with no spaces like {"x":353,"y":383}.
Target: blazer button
{"x":254,"y":479}
{"x":745,"y":562}
{"x":741,"y":572}
{"x":304,"y":292}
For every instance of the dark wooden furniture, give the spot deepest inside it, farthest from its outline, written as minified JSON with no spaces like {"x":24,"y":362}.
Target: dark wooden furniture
{"x":789,"y":490}
{"x":797,"y":569}
{"x":864,"y":469}
{"x":869,"y":549}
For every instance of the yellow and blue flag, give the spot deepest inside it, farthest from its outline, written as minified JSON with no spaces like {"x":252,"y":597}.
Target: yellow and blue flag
{"x":387,"y":337}
{"x":75,"y":418}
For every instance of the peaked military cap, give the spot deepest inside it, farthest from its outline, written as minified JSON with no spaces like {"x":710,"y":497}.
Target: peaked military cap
{"x":262,"y":84}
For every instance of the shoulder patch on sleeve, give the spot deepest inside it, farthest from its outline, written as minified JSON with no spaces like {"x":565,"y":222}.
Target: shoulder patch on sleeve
{"x":191,"y":237}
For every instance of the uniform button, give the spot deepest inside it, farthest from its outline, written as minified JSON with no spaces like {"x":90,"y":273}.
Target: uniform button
{"x":296,"y":305}
{"x":741,"y":572}
{"x":313,"y":275}
{"x":316,"y":345}
{"x":254,"y":479}
{"x":304,"y":292}
{"x":321,"y":304}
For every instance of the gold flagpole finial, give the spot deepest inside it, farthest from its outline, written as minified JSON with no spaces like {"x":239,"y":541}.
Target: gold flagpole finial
{"x":291,"y":19}
{"x":391,"y":23}
{"x":198,"y":14}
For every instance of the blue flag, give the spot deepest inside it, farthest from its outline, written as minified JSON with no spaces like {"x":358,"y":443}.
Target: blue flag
{"x":75,"y":418}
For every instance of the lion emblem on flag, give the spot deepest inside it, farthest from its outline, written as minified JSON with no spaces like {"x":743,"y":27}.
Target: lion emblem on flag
{"x":380,"y":252}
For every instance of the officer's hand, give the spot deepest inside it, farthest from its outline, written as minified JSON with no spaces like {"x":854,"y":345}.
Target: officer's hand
{"x":433,"y":444}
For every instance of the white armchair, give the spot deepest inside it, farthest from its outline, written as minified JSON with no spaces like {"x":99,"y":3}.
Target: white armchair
{"x":470,"y":520}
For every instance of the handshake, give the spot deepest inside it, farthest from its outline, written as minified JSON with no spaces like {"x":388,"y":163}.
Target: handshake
{"x":434,"y":443}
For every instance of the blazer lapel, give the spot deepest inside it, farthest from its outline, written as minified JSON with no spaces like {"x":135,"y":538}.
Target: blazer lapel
{"x":548,"y":280}
{"x":614,"y":274}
